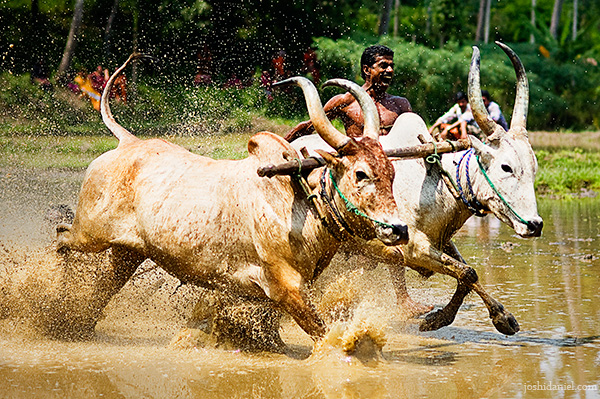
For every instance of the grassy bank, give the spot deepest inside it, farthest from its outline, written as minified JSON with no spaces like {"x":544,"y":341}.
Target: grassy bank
{"x":563,"y":173}
{"x":58,"y":129}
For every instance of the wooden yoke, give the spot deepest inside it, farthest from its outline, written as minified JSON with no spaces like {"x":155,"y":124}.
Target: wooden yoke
{"x":418,"y":151}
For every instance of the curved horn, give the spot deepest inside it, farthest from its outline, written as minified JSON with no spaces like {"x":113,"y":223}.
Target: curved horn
{"x":369,"y":109}
{"x":480,"y":113}
{"x":322,"y":125}
{"x":519,"y":116}
{"x":107,"y":117}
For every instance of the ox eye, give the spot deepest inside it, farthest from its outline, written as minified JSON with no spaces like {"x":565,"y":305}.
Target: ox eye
{"x":507,"y":168}
{"x":360,"y":175}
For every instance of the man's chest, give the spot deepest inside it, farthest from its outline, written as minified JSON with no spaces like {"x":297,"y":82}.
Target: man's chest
{"x":387,"y":116}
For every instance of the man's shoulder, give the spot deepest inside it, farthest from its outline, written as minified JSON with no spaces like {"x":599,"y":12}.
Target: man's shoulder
{"x":401,"y":103}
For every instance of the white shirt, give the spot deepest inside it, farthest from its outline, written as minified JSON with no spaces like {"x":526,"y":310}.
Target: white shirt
{"x":494,"y":111}
{"x":455,"y":113}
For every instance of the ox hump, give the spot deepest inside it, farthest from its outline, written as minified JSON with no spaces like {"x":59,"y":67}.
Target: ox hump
{"x":267,"y":146}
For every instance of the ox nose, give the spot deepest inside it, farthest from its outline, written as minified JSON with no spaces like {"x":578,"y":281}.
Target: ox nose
{"x":393,"y":234}
{"x":401,"y":230}
{"x":535,"y":227}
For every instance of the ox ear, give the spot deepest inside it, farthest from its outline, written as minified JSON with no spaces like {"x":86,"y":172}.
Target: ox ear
{"x":332,"y":161}
{"x":484,"y":152}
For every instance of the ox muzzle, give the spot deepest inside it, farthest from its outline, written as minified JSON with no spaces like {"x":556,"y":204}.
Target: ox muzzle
{"x":392,"y":233}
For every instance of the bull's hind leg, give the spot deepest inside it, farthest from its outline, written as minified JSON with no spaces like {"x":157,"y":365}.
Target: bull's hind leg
{"x":122,"y":264}
{"x":88,"y":284}
{"x":467,"y":278}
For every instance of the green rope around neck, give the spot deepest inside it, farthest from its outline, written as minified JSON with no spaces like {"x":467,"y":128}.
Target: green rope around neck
{"x":498,"y":193}
{"x":350,"y":207}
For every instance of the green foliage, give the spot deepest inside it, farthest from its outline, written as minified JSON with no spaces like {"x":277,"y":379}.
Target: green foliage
{"x":562,"y":95}
{"x":159,"y":109}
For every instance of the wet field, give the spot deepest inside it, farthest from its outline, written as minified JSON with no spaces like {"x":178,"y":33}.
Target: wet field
{"x":549,"y":283}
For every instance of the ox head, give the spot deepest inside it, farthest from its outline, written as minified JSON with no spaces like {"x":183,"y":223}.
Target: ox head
{"x":358,"y":180}
{"x":506,"y":160}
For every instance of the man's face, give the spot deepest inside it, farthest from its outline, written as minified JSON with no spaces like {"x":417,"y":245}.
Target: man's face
{"x":462,"y":103}
{"x":381,"y":72}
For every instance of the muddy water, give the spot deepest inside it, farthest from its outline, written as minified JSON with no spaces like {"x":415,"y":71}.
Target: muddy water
{"x":550,"y":284}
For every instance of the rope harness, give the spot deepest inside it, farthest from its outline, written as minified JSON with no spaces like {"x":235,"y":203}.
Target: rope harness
{"x":350,"y":207}
{"x":475,"y":206}
{"x":498,"y":193}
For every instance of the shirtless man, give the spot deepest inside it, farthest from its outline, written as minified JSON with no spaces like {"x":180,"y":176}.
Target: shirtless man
{"x":377,"y":69}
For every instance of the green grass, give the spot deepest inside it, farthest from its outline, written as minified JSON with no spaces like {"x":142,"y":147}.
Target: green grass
{"x":60,"y":130}
{"x":47,"y":152}
{"x":564,"y":173}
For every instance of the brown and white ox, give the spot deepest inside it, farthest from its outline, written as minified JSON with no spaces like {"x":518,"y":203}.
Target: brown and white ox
{"x":496,"y":177}
{"x":217,"y":224}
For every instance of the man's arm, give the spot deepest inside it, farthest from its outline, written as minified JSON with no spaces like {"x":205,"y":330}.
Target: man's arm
{"x":333,"y":108}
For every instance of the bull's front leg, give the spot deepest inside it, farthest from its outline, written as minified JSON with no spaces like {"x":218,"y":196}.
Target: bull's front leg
{"x":286,"y":287}
{"x":433,"y":259}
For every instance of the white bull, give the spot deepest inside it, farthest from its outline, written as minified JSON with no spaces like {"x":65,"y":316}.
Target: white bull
{"x":496,"y":177}
{"x":217,"y":224}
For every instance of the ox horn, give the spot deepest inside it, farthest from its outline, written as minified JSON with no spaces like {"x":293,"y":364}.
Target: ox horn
{"x":519,"y":116}
{"x":321,"y":123}
{"x":480,"y":113}
{"x":369,"y":109}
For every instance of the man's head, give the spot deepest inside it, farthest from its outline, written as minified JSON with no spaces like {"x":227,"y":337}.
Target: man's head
{"x":377,"y":65}
{"x":462,"y":100}
{"x":486,"y":97}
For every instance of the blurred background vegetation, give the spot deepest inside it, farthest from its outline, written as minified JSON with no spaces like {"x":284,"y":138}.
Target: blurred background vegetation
{"x":557,"y":40}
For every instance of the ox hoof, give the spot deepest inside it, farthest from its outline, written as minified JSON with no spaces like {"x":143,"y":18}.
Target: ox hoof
{"x":469,"y":276}
{"x":436,"y":320}
{"x":506,"y":323}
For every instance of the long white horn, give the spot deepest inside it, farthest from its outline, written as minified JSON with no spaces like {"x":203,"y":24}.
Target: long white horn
{"x":369,"y":109}
{"x":519,"y":116}
{"x":480,"y":113}
{"x":321,"y":123}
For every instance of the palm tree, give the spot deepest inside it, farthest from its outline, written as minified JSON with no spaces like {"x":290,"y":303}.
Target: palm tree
{"x":556,"y":18}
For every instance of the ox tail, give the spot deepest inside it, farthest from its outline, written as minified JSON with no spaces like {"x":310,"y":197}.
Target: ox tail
{"x":119,"y":131}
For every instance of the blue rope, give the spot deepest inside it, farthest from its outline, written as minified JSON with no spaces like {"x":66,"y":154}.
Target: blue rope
{"x":477,"y":209}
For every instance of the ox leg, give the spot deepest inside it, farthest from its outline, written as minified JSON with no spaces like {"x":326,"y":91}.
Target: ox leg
{"x":122,"y":264}
{"x":89,"y":283}
{"x":286,"y":288}
{"x":410,"y":308}
{"x":296,"y":303}
{"x":445,"y":316}
{"x":467,"y":278}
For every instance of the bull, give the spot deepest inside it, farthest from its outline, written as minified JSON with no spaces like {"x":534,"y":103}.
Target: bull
{"x":217,"y":224}
{"x":496,"y":177}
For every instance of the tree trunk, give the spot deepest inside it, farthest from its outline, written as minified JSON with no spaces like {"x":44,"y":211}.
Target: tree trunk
{"x":480,"y":20}
{"x":396,"y":17}
{"x":532,"y":37}
{"x":35,"y":10}
{"x":486,"y":32}
{"x":556,"y":18}
{"x":575,"y":16}
{"x":384,"y":24}
{"x":108,"y":29}
{"x":67,"y":57}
